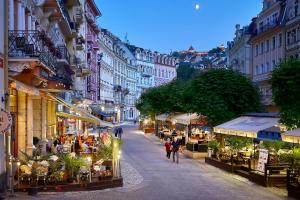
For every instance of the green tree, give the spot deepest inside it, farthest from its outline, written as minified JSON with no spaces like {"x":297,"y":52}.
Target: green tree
{"x":221,"y":95}
{"x":186,"y":72}
{"x":286,"y":92}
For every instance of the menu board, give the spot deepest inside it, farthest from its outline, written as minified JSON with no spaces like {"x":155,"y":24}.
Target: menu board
{"x":262,"y":160}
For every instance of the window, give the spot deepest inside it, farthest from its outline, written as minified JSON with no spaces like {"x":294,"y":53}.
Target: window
{"x":273,"y":64}
{"x":268,"y":67}
{"x":274,"y":42}
{"x":268,"y":46}
{"x":256,"y":70}
{"x":262,"y":48}
{"x":262,"y":70}
{"x":256,"y":48}
{"x":280,"y":39}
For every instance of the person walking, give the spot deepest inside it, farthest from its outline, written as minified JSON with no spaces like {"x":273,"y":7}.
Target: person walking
{"x":116,"y":131}
{"x":175,"y":150}
{"x":120,"y":132}
{"x":168,"y":145}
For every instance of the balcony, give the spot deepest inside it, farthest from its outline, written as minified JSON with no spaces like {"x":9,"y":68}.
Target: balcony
{"x":78,"y":15}
{"x":89,"y":38}
{"x":83,"y":72}
{"x":294,"y":18}
{"x":146,"y":74}
{"x":268,"y":26}
{"x":63,"y":55}
{"x":80,"y":42}
{"x":266,"y":100}
{"x":67,"y":25}
{"x":96,"y":46}
{"x":293,"y":45}
{"x":32,"y":45}
{"x":262,"y":77}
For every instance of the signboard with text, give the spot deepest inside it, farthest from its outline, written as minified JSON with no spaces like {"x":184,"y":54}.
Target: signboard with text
{"x":262,"y":160}
{"x":5,"y":121}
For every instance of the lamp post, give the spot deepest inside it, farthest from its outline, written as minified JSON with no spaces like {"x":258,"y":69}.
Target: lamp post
{"x":89,"y":159}
{"x":18,"y":170}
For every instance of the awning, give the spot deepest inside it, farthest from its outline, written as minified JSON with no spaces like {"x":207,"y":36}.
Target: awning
{"x":81,"y":112}
{"x":98,"y":111}
{"x":271,"y":133}
{"x":185,"y":118}
{"x":74,"y":116}
{"x":246,"y":126}
{"x":162,"y":117}
{"x":292,"y":136}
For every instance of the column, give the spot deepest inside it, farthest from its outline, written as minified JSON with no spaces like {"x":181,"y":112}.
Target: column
{"x":21,"y":15}
{"x":21,"y":117}
{"x":11,"y":15}
{"x":29,"y":21}
{"x":29,"y":136}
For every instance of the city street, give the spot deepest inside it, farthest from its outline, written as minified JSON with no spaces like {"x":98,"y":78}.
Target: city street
{"x":149,"y":175}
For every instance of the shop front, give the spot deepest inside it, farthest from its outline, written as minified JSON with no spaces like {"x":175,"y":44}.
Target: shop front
{"x":250,"y":146}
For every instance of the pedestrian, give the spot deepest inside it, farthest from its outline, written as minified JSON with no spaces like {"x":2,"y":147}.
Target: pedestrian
{"x":174,"y":133}
{"x":116,"y":131}
{"x":168,"y":148}
{"x":175,"y":150}
{"x":120,"y":132}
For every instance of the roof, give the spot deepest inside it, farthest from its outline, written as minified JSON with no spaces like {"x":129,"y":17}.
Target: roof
{"x":292,"y":136}
{"x":254,"y":114}
{"x":246,"y":126}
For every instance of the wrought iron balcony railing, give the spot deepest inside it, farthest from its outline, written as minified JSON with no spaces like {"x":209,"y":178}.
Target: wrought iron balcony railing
{"x":63,"y":53}
{"x":32,"y":44}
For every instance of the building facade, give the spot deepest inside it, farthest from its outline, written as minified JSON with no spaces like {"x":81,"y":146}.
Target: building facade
{"x":292,"y":29}
{"x":145,"y":68}
{"x":239,"y":51}
{"x":165,"y":69}
{"x":268,"y":48}
{"x":106,"y":67}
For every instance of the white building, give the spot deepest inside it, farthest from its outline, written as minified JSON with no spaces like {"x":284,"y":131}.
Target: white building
{"x":145,"y":69}
{"x":165,"y":69}
{"x":106,"y":100}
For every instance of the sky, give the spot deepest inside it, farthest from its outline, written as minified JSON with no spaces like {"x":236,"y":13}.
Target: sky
{"x":170,"y":25}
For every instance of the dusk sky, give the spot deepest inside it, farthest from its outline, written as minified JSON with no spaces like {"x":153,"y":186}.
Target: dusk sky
{"x":166,"y":25}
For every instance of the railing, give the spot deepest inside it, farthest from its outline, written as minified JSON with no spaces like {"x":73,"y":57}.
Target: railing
{"x":292,"y":45}
{"x":262,"y":77}
{"x":32,"y":44}
{"x":268,"y":26}
{"x":63,"y":53}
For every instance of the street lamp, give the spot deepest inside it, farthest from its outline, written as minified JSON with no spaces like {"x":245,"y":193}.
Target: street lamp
{"x":89,"y":159}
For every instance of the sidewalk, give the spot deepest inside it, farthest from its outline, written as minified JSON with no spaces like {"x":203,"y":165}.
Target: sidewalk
{"x":210,"y":169}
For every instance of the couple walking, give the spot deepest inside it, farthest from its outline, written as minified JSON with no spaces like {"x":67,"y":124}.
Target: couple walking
{"x":174,"y":148}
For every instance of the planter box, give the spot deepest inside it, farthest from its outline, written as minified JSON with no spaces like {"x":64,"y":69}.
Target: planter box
{"x":149,"y":130}
{"x":294,"y":191}
{"x":194,"y":155}
{"x":64,"y":187}
{"x":224,"y":166}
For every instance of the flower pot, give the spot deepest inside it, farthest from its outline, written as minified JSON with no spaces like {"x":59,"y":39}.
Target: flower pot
{"x":33,"y":191}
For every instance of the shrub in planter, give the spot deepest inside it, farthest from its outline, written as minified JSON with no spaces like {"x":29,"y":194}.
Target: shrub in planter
{"x":72,"y":165}
{"x":215,"y":146}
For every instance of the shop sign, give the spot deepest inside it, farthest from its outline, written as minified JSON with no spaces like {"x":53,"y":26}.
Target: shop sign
{"x":1,"y":63}
{"x":262,"y":160}
{"x":5,"y":121}
{"x":71,"y":121}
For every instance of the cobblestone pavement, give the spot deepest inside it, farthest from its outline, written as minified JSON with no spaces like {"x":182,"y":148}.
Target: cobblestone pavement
{"x":149,"y":175}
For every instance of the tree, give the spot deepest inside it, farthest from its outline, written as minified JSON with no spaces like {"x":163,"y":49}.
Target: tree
{"x":221,"y":95}
{"x":186,"y":72}
{"x":286,"y":92}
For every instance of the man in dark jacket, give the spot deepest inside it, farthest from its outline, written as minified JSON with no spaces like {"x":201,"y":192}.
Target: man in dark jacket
{"x":120,"y":132}
{"x":175,"y":150}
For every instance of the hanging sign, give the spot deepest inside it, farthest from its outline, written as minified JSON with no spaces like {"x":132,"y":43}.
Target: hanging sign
{"x":5,"y":121}
{"x":262,"y":160}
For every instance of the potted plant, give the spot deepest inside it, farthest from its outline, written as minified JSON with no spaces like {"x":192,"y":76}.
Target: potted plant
{"x":214,"y":145}
{"x":72,"y":165}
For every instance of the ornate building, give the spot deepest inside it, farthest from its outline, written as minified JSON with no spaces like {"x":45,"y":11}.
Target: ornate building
{"x":145,"y":68}
{"x":165,"y":68}
{"x":239,"y":51}
{"x":292,"y":29}
{"x":268,"y":47}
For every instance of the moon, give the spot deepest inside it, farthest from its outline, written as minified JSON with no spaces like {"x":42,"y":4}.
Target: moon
{"x":197,"y":7}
